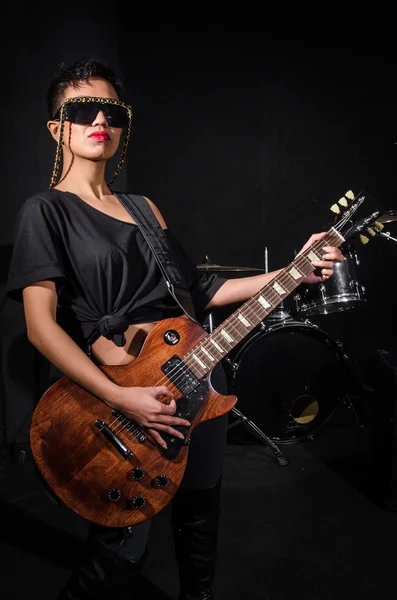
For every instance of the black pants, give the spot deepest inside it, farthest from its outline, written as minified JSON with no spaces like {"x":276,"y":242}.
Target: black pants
{"x":204,"y":469}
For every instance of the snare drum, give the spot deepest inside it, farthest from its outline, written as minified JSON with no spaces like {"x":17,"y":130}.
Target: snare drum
{"x":341,"y":292}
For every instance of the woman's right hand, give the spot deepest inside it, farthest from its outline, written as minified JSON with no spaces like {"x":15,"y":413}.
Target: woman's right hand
{"x":140,"y":404}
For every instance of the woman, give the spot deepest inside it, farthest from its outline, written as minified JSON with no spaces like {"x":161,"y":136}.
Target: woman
{"x":92,"y":291}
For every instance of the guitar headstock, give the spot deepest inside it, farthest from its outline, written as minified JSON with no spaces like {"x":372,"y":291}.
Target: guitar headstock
{"x":365,"y":228}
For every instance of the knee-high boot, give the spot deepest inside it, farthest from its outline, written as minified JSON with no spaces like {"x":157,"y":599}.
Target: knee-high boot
{"x":195,"y":520}
{"x":107,"y":572}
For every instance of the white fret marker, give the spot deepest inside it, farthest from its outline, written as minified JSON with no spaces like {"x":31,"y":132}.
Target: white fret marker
{"x":227,"y":337}
{"x":264,"y":302}
{"x":200,"y":362}
{"x":313,"y":257}
{"x":277,"y":288}
{"x":295,"y":273}
{"x":208,"y":355}
{"x":243,"y":320}
{"x":217,"y":346}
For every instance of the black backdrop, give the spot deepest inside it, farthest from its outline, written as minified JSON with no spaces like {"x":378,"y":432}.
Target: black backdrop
{"x":242,"y":138}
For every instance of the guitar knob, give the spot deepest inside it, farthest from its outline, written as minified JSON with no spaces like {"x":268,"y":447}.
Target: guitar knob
{"x":161,"y":481}
{"x":138,"y":502}
{"x":114,"y":494}
{"x":137,"y":474}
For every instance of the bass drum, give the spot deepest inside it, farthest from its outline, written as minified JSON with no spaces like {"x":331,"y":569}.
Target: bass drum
{"x":289,"y":379}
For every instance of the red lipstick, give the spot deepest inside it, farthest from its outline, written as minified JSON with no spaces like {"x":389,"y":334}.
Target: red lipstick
{"x":101,"y":136}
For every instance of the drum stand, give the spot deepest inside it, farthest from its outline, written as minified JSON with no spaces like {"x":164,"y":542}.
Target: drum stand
{"x":250,"y":425}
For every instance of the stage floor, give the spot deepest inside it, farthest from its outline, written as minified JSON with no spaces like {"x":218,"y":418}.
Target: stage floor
{"x":312,"y":529}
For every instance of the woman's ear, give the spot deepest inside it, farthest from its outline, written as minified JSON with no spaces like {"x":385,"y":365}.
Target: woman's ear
{"x":54,"y":128}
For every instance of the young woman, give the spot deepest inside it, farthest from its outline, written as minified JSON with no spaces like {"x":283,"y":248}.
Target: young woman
{"x":92,"y":291}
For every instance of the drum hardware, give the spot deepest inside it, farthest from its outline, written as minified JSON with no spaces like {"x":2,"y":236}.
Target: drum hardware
{"x":212,"y":267}
{"x":250,"y":425}
{"x":339,"y":293}
{"x":387,"y":236}
{"x":388,"y":216}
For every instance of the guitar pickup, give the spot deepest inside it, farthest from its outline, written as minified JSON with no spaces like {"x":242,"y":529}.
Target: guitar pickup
{"x":113,"y":439}
{"x":180,"y":375}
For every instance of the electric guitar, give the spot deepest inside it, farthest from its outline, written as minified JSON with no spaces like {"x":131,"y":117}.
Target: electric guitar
{"x":105,"y":467}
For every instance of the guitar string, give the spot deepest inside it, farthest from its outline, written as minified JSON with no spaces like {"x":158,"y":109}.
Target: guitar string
{"x":282,"y":278}
{"x":125,"y":422}
{"x":252,"y":301}
{"x":187,"y":363}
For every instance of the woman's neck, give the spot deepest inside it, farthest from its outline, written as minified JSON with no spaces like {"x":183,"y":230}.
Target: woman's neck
{"x":85,"y":180}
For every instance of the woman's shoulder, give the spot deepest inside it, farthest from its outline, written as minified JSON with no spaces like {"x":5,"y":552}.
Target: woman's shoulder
{"x":47,"y":205}
{"x":49,"y":197}
{"x":46,"y":199}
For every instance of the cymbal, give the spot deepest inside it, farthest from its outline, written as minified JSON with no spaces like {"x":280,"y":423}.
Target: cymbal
{"x":388,"y":217}
{"x":215,"y":267}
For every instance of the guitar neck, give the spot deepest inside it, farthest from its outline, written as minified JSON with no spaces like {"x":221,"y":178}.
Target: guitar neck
{"x":203,"y":357}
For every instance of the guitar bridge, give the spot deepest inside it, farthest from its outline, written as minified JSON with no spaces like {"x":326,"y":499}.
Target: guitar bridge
{"x":131,"y":426}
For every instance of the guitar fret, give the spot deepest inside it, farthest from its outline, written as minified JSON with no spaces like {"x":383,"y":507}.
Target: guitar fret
{"x":196,"y":370}
{"x":226,"y":336}
{"x":243,"y":320}
{"x":295,"y":273}
{"x":305,"y":265}
{"x":313,"y":256}
{"x":199,"y":361}
{"x":252,"y":306}
{"x":287,"y":282}
{"x":264,"y":303}
{"x":278,"y":288}
{"x":208,"y":355}
{"x":272,"y":296}
{"x":217,"y":346}
{"x":334,"y":238}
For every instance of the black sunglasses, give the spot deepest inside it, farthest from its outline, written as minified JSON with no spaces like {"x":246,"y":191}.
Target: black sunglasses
{"x":83,"y":112}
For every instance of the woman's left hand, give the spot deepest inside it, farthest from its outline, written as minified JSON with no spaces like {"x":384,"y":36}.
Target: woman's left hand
{"x":324,"y":268}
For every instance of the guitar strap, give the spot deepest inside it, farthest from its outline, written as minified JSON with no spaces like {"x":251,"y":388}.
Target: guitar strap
{"x":154,"y":234}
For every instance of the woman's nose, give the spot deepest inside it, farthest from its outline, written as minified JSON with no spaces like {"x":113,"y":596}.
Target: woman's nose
{"x":100,"y":119}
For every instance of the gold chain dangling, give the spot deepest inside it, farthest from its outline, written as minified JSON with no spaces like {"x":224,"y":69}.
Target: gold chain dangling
{"x":58,"y":153}
{"x":124,"y":149}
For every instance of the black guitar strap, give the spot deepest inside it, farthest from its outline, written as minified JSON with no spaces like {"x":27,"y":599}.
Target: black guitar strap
{"x":139,"y":209}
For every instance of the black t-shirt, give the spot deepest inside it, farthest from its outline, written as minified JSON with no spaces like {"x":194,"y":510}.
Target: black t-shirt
{"x":102,"y":267}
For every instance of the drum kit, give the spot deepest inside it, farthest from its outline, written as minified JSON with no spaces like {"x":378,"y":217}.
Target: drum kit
{"x":290,"y":376}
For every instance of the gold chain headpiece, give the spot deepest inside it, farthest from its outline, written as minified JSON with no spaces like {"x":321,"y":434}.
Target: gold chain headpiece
{"x":62,"y":119}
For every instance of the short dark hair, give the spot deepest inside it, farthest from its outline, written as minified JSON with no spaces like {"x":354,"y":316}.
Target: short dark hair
{"x":76,"y":73}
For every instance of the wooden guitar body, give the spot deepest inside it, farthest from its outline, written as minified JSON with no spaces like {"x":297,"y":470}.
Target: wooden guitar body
{"x":103,"y":466}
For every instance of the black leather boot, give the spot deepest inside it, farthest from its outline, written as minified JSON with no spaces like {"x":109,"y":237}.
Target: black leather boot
{"x":195,"y":519}
{"x":104,"y":574}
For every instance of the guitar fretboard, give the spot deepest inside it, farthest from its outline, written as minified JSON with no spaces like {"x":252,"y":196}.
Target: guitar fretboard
{"x":203,"y":357}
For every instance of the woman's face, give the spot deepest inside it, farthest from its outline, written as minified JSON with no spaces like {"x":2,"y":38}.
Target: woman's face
{"x":83,"y":140}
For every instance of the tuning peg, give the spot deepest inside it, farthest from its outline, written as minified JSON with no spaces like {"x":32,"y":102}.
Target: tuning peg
{"x":342,"y":202}
{"x":363,"y":239}
{"x":371,"y":232}
{"x":379,"y":226}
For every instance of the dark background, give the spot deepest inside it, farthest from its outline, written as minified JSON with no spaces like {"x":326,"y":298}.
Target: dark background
{"x":243,"y":139}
